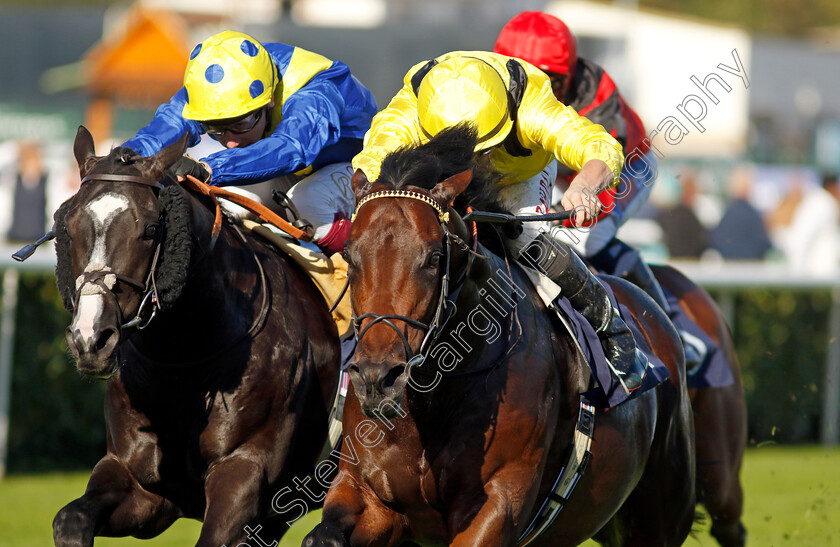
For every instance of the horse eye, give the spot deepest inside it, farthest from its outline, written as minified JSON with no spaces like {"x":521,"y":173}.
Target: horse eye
{"x":434,"y":260}
{"x":151,"y":231}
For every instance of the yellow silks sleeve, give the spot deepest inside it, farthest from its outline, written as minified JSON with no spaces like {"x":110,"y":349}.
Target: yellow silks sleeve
{"x":392,"y":128}
{"x":558,"y":129}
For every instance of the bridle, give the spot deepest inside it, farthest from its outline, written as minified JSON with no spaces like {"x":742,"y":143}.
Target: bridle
{"x":446,"y":307}
{"x":100,"y":279}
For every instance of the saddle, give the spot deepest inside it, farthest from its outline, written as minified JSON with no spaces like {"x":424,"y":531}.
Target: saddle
{"x":329,"y":273}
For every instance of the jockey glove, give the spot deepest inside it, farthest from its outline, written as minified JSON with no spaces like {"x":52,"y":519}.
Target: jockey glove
{"x":188,"y":166}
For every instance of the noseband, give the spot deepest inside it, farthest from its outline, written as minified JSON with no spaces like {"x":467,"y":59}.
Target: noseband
{"x":100,"y":279}
{"x":446,"y":307}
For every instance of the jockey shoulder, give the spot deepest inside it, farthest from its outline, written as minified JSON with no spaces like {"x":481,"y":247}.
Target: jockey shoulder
{"x":519,"y":120}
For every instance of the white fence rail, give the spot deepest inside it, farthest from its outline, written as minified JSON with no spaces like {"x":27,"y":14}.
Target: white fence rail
{"x":725,"y":278}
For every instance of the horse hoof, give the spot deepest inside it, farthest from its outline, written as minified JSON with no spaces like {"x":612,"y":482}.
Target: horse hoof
{"x":730,"y":537}
{"x":72,"y":528}
{"x":325,"y":535}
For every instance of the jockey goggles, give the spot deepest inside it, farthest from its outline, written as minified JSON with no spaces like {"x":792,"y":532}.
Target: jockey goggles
{"x":237,"y":126}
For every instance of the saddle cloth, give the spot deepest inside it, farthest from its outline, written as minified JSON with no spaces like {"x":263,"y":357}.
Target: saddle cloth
{"x":329,"y":273}
{"x":607,"y":392}
{"x":713,"y":370}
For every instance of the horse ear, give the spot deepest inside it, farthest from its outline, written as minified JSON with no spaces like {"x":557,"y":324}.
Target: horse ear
{"x":154,"y":166}
{"x":83,"y":149}
{"x":360,"y":184}
{"x":446,"y":191}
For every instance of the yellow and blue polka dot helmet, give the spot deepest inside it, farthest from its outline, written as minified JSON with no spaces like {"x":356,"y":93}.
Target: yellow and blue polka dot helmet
{"x":228,"y":75}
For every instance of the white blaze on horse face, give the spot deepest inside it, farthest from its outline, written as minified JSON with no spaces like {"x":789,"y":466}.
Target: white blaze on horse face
{"x":88,"y":310}
{"x":102,"y":211}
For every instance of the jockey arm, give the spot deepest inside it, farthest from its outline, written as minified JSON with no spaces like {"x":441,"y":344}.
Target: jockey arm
{"x":392,"y":128}
{"x":576,"y":142}
{"x":165,"y":128}
{"x":311,"y":121}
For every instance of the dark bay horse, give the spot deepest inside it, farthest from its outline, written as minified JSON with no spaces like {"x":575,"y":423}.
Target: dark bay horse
{"x":220,"y":354}
{"x":463,"y":448}
{"x":720,"y":417}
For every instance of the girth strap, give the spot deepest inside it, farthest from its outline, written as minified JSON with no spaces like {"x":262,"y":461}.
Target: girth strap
{"x":571,"y":473}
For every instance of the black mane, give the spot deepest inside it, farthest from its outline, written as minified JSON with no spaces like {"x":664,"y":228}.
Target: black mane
{"x":448,"y":153}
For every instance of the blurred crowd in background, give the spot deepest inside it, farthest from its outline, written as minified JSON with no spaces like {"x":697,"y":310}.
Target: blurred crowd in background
{"x":742,"y":212}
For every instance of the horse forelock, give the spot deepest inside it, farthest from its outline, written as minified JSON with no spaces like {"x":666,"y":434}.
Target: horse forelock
{"x":446,"y":154}
{"x":122,"y":160}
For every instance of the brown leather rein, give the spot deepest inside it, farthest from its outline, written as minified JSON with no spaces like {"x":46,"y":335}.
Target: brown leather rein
{"x":266,"y":214}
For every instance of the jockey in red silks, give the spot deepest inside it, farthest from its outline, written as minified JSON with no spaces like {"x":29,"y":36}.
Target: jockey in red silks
{"x":546,"y":42}
{"x":279,"y":111}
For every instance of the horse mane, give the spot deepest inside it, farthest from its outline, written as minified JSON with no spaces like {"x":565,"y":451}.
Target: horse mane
{"x":63,"y":272}
{"x":448,"y":153}
{"x":177,"y":248}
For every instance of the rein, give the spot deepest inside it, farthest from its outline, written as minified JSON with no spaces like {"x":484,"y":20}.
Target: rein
{"x":255,"y":325}
{"x":215,"y":192}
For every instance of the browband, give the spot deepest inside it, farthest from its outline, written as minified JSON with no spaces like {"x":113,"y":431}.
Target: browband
{"x":124,"y":178}
{"x":443,"y":216}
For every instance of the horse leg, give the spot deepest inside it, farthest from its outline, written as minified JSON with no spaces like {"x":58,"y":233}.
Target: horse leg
{"x":492,"y":521}
{"x":718,"y":463}
{"x":114,"y":504}
{"x":233,"y":492}
{"x":350,"y":519}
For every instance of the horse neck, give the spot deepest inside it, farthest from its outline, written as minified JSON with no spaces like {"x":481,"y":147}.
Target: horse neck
{"x":484,"y":324}
{"x":214,"y":303}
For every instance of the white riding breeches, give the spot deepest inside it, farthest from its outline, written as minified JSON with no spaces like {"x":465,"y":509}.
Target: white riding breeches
{"x":324,"y":196}
{"x":529,"y":197}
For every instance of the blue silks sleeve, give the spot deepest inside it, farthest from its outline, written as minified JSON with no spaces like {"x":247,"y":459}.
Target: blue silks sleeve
{"x":311,"y":122}
{"x":165,"y":128}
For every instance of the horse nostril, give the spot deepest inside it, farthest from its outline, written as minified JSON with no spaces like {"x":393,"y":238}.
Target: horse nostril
{"x":392,"y":376}
{"x":104,"y":338}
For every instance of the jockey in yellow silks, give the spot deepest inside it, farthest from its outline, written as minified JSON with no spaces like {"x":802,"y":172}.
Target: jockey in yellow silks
{"x":524,"y":128}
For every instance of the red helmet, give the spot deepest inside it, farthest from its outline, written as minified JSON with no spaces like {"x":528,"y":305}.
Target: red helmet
{"x":541,"y":39}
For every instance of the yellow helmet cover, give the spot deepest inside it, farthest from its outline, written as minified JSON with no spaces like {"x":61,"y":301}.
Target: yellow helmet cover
{"x":228,"y":75}
{"x":464,"y":89}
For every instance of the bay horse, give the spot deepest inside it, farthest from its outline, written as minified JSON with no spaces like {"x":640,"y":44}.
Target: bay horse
{"x":463,"y":448}
{"x":720,"y":416}
{"x":220,"y":354}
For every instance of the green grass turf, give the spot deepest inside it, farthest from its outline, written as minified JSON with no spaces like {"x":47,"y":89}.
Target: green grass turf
{"x":792,"y":499}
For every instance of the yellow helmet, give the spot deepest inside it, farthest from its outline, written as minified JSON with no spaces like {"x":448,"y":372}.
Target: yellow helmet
{"x":465,"y":89}
{"x":227,"y":76}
